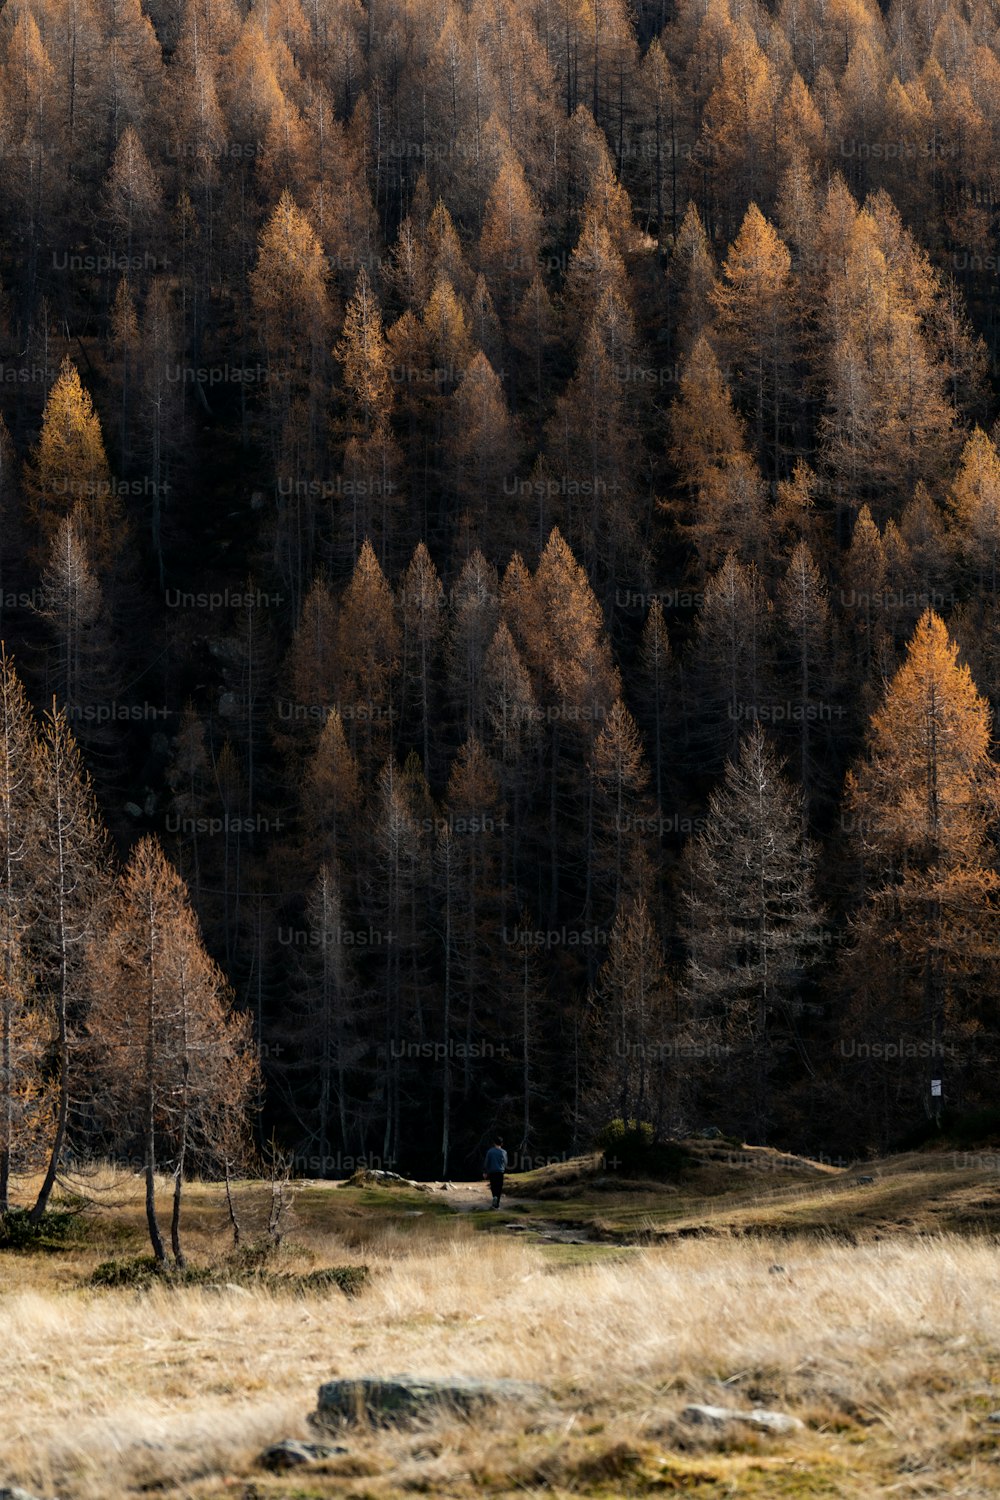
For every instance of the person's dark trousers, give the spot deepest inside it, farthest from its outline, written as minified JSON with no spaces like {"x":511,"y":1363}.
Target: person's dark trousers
{"x":496,"y":1187}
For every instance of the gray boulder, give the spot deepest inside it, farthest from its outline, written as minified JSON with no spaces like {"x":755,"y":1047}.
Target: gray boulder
{"x":400,"y":1400}
{"x":777,"y":1422}
{"x":11,"y":1492}
{"x":292,"y":1453}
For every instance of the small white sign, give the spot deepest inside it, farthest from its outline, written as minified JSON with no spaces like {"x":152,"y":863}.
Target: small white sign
{"x":935,"y":1088}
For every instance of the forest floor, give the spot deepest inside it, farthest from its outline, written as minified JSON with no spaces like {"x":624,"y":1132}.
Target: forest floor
{"x":862,"y":1301}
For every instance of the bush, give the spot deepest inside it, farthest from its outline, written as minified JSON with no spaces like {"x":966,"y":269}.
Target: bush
{"x":137,"y":1270}
{"x":144,"y":1271}
{"x":347,"y":1278}
{"x":631,"y":1149}
{"x":50,"y":1233}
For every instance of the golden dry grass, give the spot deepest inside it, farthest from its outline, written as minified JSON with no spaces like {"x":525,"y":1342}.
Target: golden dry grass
{"x":888,"y":1351}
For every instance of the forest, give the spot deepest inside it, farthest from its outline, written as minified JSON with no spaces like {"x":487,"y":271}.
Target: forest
{"x":499,"y":546}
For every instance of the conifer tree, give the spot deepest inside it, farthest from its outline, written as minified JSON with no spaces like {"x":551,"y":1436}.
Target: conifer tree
{"x":81,"y":673}
{"x":368,"y":657}
{"x":509,"y":244}
{"x":331,"y":800}
{"x":176,"y":1060}
{"x":69,"y":470}
{"x":364,"y":357}
{"x":655,"y":666}
{"x":473,"y":622}
{"x":421,"y":609}
{"x":755,"y":304}
{"x":975,"y":504}
{"x":630,"y":1023}
{"x":752,"y":923}
{"x":73,"y":854}
{"x":25,"y":1102}
{"x":922,"y":805}
{"x":619,"y":858}
{"x":802,"y":597}
{"x":727,"y":509}
{"x":321,"y":1025}
{"x":732,"y":660}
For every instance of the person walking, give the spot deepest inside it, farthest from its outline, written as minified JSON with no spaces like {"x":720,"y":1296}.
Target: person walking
{"x":494,"y":1167}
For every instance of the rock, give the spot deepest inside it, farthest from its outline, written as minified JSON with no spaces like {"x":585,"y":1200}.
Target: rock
{"x":369,"y":1177}
{"x":710,"y":1133}
{"x":398,"y":1400}
{"x":290,"y":1453}
{"x":776,"y":1271}
{"x":777,"y":1422}
{"x":11,"y":1492}
{"x":994,"y":1416}
{"x":862,"y":1180}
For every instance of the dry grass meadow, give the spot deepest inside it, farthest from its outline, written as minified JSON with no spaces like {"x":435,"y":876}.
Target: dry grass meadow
{"x":888,"y":1349}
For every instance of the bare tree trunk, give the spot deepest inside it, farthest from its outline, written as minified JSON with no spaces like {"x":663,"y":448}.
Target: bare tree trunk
{"x":175,"y":1217}
{"x":155,"y":1237}
{"x":62,"y":1110}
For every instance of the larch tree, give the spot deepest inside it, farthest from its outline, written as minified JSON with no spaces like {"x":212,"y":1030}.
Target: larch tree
{"x":73,"y":890}
{"x":321,"y":1024}
{"x":512,"y":717}
{"x":472,"y":811}
{"x":368,"y":658}
{"x":293,"y":314}
{"x":177,"y":1065}
{"x":755,"y":301}
{"x":580,"y":686}
{"x":481,"y":448}
{"x":133,"y":197}
{"x":619,"y":864}
{"x":510,"y":242}
{"x":739,"y":123}
{"x":421,"y":608}
{"x":923,"y":802}
{"x":974,"y":499}
{"x":69,"y":469}
{"x":864,"y":575}
{"x":804,"y":607}
{"x":732,"y":660}
{"x":692,"y":279}
{"x":727,"y":499}
{"x":310,"y":670}
{"x":474,"y":615}
{"x":655,"y":664}
{"x":364,"y":358}
{"x":593,"y":448}
{"x":331,"y":800}
{"x":80,"y":667}
{"x":630,"y":1023}
{"x":752,"y":923}
{"x":25,"y":1093}
{"x":926,"y":789}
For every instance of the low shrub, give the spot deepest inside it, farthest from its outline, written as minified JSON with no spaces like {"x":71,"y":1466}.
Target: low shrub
{"x":631,"y":1149}
{"x":52,"y":1231}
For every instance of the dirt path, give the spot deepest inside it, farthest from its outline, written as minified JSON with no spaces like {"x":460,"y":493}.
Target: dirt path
{"x":470,"y":1197}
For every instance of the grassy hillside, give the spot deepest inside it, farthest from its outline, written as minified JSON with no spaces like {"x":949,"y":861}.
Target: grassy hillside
{"x":873,"y":1318}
